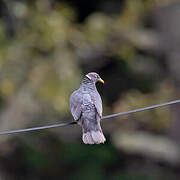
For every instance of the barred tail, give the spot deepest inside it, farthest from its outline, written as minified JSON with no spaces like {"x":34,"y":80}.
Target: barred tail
{"x":92,"y":132}
{"x":93,"y":137}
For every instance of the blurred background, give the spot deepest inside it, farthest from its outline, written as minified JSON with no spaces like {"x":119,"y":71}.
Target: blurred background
{"x":46,"y":47}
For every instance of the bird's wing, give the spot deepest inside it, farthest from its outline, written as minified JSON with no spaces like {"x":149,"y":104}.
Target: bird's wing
{"x":98,"y":103}
{"x":76,"y":101}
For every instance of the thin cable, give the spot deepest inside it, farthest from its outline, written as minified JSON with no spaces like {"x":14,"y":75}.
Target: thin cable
{"x":141,"y":109}
{"x":74,"y":122}
{"x":36,"y":128}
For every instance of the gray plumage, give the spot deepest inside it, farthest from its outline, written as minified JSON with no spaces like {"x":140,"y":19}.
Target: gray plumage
{"x":86,"y":108}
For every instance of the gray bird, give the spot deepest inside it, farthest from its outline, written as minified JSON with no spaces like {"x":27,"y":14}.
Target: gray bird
{"x":86,"y":108}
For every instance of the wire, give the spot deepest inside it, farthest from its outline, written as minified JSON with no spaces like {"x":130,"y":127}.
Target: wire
{"x":36,"y":128}
{"x":74,"y":122}
{"x":141,"y":109}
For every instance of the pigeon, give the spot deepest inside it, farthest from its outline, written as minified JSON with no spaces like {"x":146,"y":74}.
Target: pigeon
{"x":86,"y":109}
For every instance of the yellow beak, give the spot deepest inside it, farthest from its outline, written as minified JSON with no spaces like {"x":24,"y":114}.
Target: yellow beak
{"x":100,"y":80}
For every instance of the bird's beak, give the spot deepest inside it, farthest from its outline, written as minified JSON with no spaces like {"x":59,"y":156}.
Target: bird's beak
{"x":100,"y":80}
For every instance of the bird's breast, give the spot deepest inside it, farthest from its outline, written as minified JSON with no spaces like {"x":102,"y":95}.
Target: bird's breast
{"x":87,"y":99}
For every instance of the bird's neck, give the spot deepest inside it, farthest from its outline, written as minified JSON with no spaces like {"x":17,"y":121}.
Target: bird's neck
{"x":88,"y":84}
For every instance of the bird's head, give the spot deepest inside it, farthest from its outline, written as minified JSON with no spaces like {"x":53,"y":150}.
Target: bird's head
{"x":94,"y":77}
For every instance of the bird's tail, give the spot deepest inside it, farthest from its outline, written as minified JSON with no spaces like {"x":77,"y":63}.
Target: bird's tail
{"x":93,"y":137}
{"x":92,"y":132}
